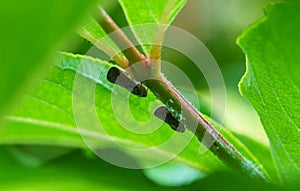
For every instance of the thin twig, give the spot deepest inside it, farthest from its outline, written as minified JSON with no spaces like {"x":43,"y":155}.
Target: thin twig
{"x":120,"y":38}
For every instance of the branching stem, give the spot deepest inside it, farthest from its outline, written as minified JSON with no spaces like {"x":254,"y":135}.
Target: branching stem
{"x":177,"y":104}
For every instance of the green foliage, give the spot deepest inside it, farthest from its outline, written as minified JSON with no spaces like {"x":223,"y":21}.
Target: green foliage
{"x":150,"y":12}
{"x":94,"y":33}
{"x":30,"y":31}
{"x":46,"y":117}
{"x":75,"y":171}
{"x":272,"y":83}
{"x":163,"y":15}
{"x":64,"y":174}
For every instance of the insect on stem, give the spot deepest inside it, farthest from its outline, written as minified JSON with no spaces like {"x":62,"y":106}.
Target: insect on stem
{"x":121,"y":78}
{"x":165,"y":91}
{"x":164,"y":114}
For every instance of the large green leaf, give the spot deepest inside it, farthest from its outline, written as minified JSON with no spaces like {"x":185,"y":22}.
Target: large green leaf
{"x":272,"y":83}
{"x":45,"y":116}
{"x":30,"y":30}
{"x":143,"y":12}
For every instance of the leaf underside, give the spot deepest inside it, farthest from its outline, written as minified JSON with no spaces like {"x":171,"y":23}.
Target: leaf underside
{"x":272,"y":83}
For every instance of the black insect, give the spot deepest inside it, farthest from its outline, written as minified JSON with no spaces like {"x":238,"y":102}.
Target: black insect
{"x":164,"y":114}
{"x":121,"y":78}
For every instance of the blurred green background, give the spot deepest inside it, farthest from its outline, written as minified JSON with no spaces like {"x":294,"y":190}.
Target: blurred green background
{"x":32,"y":31}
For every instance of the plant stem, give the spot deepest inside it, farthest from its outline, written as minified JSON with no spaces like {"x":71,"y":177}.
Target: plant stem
{"x":178,"y":105}
{"x":121,"y":40}
{"x":225,"y":151}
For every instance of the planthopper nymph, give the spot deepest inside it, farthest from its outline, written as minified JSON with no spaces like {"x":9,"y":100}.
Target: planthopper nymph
{"x":121,"y":78}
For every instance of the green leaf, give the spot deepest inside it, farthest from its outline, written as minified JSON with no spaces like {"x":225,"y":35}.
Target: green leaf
{"x":30,"y":30}
{"x":45,"y":116}
{"x":35,"y":155}
{"x":94,"y":33}
{"x":63,"y":174}
{"x":140,"y":12}
{"x":272,"y":83}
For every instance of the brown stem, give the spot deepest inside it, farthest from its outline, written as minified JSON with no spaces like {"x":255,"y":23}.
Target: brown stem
{"x":178,"y":105}
{"x":120,"y":38}
{"x":225,"y":151}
